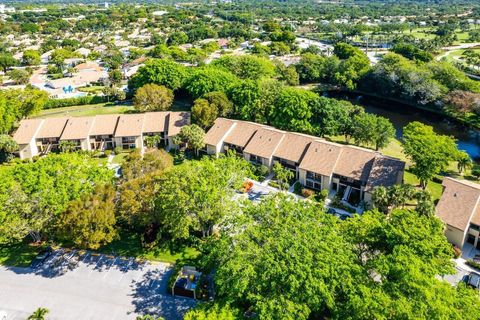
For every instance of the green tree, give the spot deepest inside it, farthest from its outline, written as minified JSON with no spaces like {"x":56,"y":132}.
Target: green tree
{"x":311,"y":68}
{"x":246,"y":66}
{"x":67,"y":146}
{"x":152,"y":141}
{"x":177,"y":38}
{"x":39,"y":314}
{"x":152,"y":97}
{"x":89,"y":222}
{"x":293,"y":109}
{"x":31,"y":58}
{"x":464,"y":162}
{"x":136,"y":165}
{"x":197,"y":195}
{"x":204,"y":113}
{"x":288,"y":74}
{"x":192,"y":136}
{"x":7,"y":146}
{"x":221,"y":102}
{"x":373,"y":129}
{"x":209,"y":79}
{"x":115,"y":77}
{"x":245,"y":95}
{"x":430,"y":152}
{"x":161,"y":72}
{"x":297,"y":248}
{"x":7,"y":61}
{"x":283,"y":175}
{"x":19,"y":76}
{"x":33,"y":194}
{"x":207,"y":311}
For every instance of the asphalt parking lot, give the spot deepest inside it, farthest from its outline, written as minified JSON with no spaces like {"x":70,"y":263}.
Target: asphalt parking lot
{"x":82,"y":285}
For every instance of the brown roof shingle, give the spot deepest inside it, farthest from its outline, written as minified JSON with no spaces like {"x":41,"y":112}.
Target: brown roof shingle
{"x":321,"y":157}
{"x":264,"y":142}
{"x":130,"y":125}
{"x":155,"y":122}
{"x":385,"y":172}
{"x":218,"y":131}
{"x":176,"y":121}
{"x":77,"y":128}
{"x":242,"y":133}
{"x":459,"y":203}
{"x":355,"y":163}
{"x":293,"y":147}
{"x":27,"y":130}
{"x":104,"y":125}
{"x":52,"y":128}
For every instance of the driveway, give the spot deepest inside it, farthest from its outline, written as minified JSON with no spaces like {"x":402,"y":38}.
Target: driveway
{"x":86,"y":286}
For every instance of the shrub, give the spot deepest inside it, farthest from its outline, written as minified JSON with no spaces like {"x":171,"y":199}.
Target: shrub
{"x":108,"y":152}
{"x":307,"y":193}
{"x":68,"y":102}
{"x":322,"y":195}
{"x":473,"y":264}
{"x":261,"y":171}
{"x":457,"y":252}
{"x":117,"y":150}
{"x":297,"y":188}
{"x":274,"y":184}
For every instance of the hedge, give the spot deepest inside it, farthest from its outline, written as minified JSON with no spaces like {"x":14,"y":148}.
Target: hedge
{"x":68,"y":102}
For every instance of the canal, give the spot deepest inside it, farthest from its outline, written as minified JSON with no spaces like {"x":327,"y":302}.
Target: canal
{"x":400,"y":115}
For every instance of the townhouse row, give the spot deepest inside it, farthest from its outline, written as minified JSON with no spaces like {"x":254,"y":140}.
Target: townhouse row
{"x":317,"y":164}
{"x":40,"y":136}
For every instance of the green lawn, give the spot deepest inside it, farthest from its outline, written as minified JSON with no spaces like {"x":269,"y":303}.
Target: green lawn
{"x":119,"y":158}
{"x":85,"y":110}
{"x":18,"y":255}
{"x":129,"y":245}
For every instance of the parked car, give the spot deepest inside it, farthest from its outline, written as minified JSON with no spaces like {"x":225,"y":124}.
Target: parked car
{"x":473,"y":280}
{"x":41,"y":257}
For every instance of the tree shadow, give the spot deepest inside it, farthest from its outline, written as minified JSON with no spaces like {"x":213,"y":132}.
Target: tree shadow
{"x":150,"y":296}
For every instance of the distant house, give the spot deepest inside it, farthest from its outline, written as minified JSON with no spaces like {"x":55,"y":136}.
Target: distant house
{"x":459,"y":209}
{"x":316,"y":163}
{"x":127,"y":131}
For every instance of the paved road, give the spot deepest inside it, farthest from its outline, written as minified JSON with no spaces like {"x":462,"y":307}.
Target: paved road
{"x":98,"y":287}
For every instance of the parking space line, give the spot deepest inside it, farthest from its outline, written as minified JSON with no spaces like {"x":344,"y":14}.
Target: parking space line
{"x":109,"y":268}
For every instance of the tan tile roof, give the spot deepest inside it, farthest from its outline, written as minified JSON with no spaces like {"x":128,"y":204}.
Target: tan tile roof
{"x":130,"y":125}
{"x":77,"y":128}
{"x":155,"y":122}
{"x":293,"y":146}
{"x":355,"y":163}
{"x":52,"y":128}
{"x":219,"y":129}
{"x":104,"y":124}
{"x":176,"y":121}
{"x":385,"y":172}
{"x":459,"y":202}
{"x":242,"y":133}
{"x":321,"y":157}
{"x":26,"y":131}
{"x":264,"y":142}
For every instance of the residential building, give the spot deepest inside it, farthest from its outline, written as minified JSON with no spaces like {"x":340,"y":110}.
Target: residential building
{"x":459,"y":209}
{"x":349,"y":171}
{"x":40,"y":136}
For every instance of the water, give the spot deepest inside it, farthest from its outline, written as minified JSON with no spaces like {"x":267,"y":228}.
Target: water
{"x":400,"y":115}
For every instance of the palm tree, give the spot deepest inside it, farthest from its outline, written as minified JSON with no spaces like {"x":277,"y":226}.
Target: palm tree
{"x":381,"y":198}
{"x":152,"y":141}
{"x":39,"y":314}
{"x":67,"y":145}
{"x":464,"y":162}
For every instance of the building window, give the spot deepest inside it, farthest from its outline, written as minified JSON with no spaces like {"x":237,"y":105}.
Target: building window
{"x":314,"y":176}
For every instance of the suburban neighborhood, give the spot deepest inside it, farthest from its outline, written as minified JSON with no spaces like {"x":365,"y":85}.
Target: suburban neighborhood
{"x":240,"y":160}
